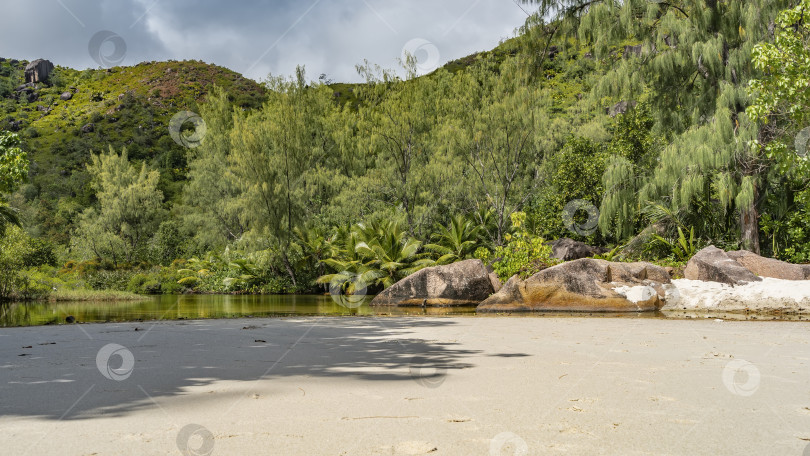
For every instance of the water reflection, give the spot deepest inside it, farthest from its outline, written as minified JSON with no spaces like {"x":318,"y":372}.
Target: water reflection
{"x":177,"y":307}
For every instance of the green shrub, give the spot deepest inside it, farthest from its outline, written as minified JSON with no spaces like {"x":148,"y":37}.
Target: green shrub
{"x":524,"y":254}
{"x":107,"y":280}
{"x":40,"y":252}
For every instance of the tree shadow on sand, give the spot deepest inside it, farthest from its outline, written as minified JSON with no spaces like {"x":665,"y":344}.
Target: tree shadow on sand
{"x":61,"y":376}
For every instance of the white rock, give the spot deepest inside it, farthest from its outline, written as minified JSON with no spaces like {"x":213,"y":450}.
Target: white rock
{"x":767,"y":295}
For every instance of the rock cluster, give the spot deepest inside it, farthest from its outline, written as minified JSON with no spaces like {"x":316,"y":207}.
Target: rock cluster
{"x":593,"y":285}
{"x":585,"y":285}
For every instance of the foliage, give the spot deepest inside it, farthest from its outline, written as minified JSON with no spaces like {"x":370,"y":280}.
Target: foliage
{"x":681,"y":249}
{"x":373,"y":255}
{"x":13,"y":171}
{"x":695,"y":59}
{"x":523,"y":254}
{"x":575,"y":173}
{"x":13,"y":245}
{"x":129,"y":209}
{"x":13,"y":162}
{"x":302,"y":184}
{"x":456,"y":241}
{"x":781,"y":104}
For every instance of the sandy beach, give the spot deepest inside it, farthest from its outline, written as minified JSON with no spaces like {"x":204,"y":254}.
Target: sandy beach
{"x":407,"y":386}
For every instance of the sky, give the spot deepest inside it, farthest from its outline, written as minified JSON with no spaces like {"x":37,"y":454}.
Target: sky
{"x":256,"y":38}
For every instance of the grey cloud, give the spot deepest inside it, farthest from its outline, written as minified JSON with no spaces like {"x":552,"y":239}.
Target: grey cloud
{"x":257,"y":37}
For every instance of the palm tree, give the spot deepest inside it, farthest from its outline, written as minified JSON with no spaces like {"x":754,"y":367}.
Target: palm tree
{"x":455,"y":242}
{"x":376,"y":254}
{"x":388,"y":249}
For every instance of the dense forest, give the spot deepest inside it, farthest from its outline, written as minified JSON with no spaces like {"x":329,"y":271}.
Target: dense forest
{"x":648,"y":128}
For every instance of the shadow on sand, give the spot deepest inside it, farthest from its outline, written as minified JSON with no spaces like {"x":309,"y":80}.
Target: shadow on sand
{"x":54,"y":373}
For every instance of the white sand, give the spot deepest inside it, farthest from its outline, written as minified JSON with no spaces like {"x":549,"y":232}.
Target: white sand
{"x":767,"y":295}
{"x":366,"y":386}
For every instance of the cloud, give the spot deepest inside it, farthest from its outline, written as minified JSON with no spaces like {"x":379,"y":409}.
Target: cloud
{"x":257,"y":37}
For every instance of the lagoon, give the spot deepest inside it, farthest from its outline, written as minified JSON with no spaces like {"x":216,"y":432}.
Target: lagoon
{"x":193,"y":307}
{"x":182,"y":307}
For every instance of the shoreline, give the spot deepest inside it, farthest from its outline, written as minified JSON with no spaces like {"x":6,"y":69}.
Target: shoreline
{"x":407,"y":385}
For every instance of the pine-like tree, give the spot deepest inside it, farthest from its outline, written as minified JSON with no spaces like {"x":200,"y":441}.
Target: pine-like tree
{"x":693,"y":60}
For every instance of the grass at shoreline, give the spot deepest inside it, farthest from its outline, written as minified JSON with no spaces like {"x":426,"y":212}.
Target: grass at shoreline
{"x":94,"y":295}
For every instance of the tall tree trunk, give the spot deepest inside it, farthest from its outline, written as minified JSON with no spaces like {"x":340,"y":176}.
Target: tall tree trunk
{"x":749,"y":226}
{"x":288,"y":267}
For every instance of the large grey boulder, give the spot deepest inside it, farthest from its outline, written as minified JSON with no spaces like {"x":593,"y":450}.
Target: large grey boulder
{"x":620,"y":108}
{"x":459,"y":284}
{"x":568,"y":249}
{"x":769,"y":267}
{"x":38,"y":71}
{"x":585,"y":285}
{"x":714,"y":265}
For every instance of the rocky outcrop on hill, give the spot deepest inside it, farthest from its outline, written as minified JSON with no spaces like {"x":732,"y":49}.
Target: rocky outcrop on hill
{"x":38,"y":71}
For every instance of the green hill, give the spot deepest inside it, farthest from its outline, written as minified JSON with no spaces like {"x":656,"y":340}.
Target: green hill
{"x":121,"y":106}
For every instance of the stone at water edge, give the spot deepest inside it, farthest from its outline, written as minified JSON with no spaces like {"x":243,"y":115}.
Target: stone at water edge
{"x":714,"y":265}
{"x":495,"y":281}
{"x":585,"y":285}
{"x":465,"y":283}
{"x":770,"y":267}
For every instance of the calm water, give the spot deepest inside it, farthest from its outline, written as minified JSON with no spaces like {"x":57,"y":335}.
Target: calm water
{"x":179,"y":307}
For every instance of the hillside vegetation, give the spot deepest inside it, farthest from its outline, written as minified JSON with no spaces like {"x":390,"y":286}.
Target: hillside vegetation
{"x":648,"y":137}
{"x":126,"y":106}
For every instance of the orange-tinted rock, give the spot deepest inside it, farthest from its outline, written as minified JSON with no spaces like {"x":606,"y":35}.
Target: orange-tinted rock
{"x":714,"y":265}
{"x":585,"y":285}
{"x":769,"y":267}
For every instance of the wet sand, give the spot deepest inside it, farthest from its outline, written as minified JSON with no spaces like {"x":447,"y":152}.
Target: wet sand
{"x":390,"y":386}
